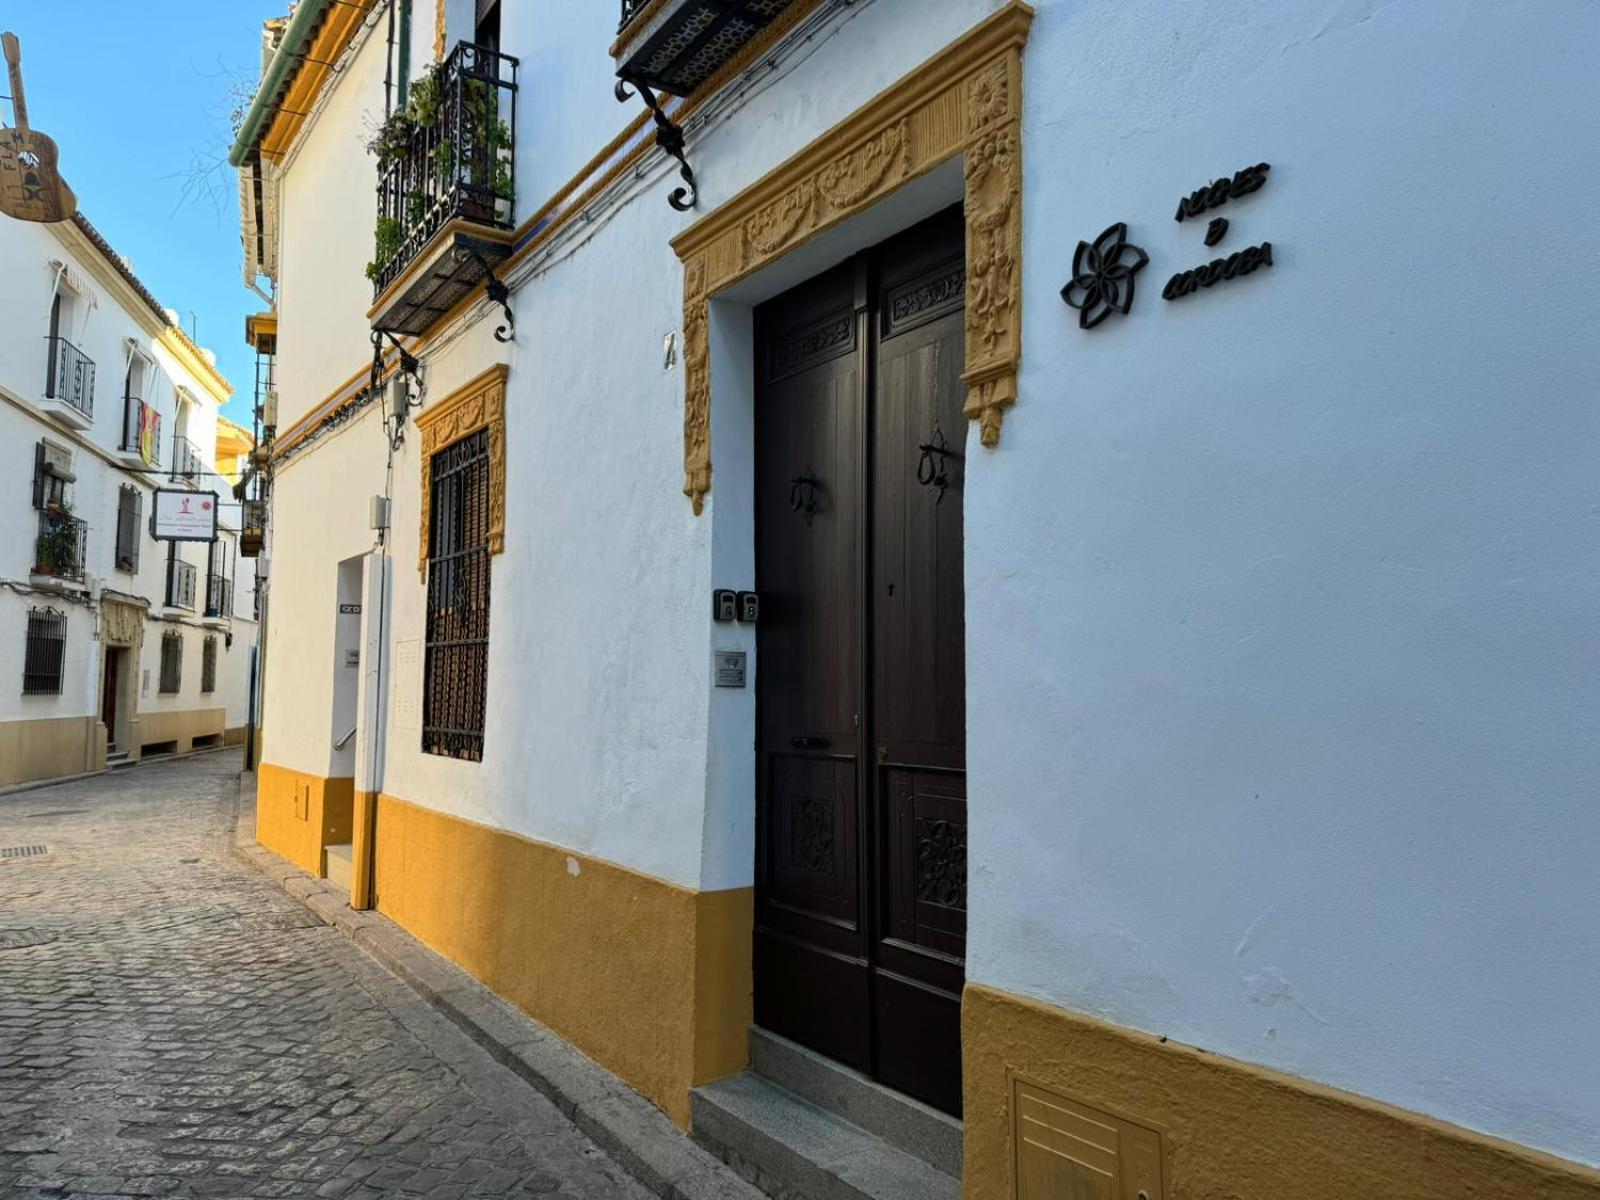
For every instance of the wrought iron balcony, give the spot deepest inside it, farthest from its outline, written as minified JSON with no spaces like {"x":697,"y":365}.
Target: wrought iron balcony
{"x":58,"y":551}
{"x":219,"y":596}
{"x":69,"y":384}
{"x":141,"y":433}
{"x":181,"y":578}
{"x":448,"y":156}
{"x":187,"y":465}
{"x":674,"y":46}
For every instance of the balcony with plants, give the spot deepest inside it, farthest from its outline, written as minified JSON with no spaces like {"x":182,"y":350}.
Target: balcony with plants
{"x":59,"y":549}
{"x":69,"y":384}
{"x":446,"y":192}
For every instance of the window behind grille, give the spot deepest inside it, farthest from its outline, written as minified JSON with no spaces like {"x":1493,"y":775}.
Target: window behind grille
{"x":456,"y":672}
{"x":208,"y":665}
{"x":130,"y":511}
{"x":171,"y":663}
{"x":44,"y":653}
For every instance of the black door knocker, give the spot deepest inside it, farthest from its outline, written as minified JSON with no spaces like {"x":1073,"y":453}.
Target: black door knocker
{"x":931,"y":468}
{"x":803,"y":495}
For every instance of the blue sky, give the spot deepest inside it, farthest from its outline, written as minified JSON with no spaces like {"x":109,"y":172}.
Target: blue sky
{"x":137,"y":97}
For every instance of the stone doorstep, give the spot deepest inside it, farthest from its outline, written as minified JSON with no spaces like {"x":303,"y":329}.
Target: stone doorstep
{"x":634,"y":1132}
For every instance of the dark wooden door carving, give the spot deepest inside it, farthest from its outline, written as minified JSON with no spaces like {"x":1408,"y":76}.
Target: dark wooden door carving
{"x":861,"y":817}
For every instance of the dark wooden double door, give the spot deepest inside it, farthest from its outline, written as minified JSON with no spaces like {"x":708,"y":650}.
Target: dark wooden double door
{"x":861,"y":727}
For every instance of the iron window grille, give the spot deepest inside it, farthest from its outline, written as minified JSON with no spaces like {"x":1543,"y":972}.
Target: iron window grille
{"x":219,"y":596}
{"x":171,"y":663}
{"x":45,"y":652}
{"x":208,"y":665}
{"x":59,"y":548}
{"x":141,"y":430}
{"x":52,"y":473}
{"x":186,"y":460}
{"x":180,"y":584}
{"x":456,"y":671}
{"x":130,"y":520}
{"x":71,"y":376}
{"x":459,"y":163}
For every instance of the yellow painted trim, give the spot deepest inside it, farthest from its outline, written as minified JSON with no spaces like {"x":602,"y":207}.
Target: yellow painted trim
{"x":362,"y":829}
{"x":176,"y":342}
{"x":181,"y":726}
{"x":298,"y":815}
{"x":1228,"y":1129}
{"x":258,"y":327}
{"x":479,"y":404}
{"x":339,"y":27}
{"x":650,"y":979}
{"x":965,"y":102}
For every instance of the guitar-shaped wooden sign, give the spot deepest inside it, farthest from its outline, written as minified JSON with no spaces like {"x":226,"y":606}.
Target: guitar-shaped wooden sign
{"x":31,"y":187}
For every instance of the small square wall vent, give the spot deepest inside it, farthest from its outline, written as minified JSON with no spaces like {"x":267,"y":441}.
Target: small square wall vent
{"x":1069,"y":1150}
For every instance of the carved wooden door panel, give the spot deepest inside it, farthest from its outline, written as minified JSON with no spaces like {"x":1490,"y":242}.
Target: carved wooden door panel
{"x":861,"y":814}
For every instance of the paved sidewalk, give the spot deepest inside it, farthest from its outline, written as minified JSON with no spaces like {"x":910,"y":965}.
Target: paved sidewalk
{"x":172,"y":1023}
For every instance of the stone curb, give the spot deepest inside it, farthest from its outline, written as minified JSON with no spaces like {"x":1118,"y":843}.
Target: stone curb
{"x":634,"y":1132}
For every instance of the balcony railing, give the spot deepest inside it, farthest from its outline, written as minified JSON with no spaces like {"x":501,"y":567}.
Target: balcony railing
{"x":141,"y":430}
{"x":71,"y":376}
{"x":180,"y":584}
{"x":59,"y":549}
{"x":219,"y":596}
{"x":683,"y":43}
{"x":186,"y":461}
{"x":452,"y":158}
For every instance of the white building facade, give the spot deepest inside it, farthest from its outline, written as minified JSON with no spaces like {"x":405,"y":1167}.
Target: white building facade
{"x":1155,"y":734}
{"x":112,"y":645}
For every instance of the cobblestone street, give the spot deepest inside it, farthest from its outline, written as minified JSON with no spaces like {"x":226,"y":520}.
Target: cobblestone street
{"x":171,"y":1023}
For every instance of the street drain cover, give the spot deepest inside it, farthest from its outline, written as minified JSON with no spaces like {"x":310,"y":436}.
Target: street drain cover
{"x":21,"y":939}
{"x":21,"y":851}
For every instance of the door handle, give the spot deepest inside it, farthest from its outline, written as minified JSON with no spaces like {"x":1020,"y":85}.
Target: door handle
{"x":809,"y":743}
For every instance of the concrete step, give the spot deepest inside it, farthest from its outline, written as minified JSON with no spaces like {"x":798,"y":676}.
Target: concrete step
{"x":336,"y":866}
{"x":906,"y":1124}
{"x":118,"y":758}
{"x":791,"y":1148}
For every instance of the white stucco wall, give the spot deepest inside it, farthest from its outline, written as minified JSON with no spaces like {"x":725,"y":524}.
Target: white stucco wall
{"x":1279,"y":597}
{"x":1282,"y":599}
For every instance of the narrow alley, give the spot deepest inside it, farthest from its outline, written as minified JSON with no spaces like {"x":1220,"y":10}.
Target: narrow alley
{"x":172,"y":1024}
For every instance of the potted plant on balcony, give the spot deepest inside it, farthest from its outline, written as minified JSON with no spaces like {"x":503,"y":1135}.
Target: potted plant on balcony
{"x":56,"y":548}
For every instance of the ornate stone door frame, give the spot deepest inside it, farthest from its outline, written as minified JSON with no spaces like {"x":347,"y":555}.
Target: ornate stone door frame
{"x":964,"y":102}
{"x":122,"y":627}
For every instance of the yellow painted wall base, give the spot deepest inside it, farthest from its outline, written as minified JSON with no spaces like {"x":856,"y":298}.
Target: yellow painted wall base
{"x":182,"y":727}
{"x":234,"y":735}
{"x":650,"y":979}
{"x":1230,"y":1131}
{"x":299,"y":815}
{"x":361,"y":832}
{"x":50,"y":748}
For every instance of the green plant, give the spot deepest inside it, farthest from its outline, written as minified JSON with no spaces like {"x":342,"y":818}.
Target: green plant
{"x":388,"y":236}
{"x":56,"y":550}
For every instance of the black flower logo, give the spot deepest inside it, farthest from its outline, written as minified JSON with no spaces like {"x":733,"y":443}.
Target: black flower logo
{"x":1102,"y":276}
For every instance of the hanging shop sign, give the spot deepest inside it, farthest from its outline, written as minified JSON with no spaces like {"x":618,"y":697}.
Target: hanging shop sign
{"x":1104,"y":271}
{"x":179,"y":515}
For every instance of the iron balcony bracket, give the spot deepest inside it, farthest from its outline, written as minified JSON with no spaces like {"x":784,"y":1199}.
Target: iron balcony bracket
{"x":669,"y":136}
{"x":495,"y":289}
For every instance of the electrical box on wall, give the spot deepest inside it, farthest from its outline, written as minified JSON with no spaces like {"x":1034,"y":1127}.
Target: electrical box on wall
{"x":380,"y":512}
{"x":1067,"y":1148}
